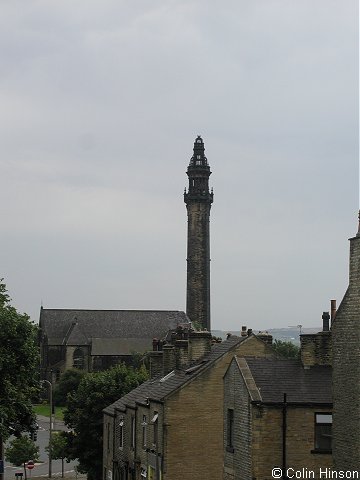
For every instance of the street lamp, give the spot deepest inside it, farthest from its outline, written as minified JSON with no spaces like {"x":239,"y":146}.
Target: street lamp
{"x":51,"y":421}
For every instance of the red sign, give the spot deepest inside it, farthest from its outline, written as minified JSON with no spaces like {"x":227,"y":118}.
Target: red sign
{"x":30,"y":465}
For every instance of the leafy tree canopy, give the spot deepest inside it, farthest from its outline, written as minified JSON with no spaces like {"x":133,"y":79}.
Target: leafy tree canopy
{"x":58,"y":445}
{"x":286,"y":349}
{"x":19,"y":362}
{"x":68,"y":383}
{"x":21,"y":450}
{"x":84,"y":412}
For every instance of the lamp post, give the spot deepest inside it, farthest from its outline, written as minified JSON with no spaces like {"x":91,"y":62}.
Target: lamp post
{"x":51,"y":423}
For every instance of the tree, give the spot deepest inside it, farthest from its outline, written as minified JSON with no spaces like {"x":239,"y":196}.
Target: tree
{"x":19,"y":363}
{"x":68,"y":383}
{"x":21,"y":450}
{"x":286,"y":349}
{"x":59,"y":448}
{"x":84,"y":413}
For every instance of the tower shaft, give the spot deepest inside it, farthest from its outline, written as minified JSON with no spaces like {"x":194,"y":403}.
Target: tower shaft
{"x":198,"y":201}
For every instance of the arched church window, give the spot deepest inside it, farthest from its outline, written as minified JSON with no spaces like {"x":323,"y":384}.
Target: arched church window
{"x":78,"y":359}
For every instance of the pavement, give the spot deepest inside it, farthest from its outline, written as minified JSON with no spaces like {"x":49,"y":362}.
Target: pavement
{"x":41,"y":469}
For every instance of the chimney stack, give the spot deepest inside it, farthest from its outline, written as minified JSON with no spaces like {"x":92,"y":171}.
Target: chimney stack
{"x":325,"y":318}
{"x":169,"y":359}
{"x":333,"y":310}
{"x":243,"y":331}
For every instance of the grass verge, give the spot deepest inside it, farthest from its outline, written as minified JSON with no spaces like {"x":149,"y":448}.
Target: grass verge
{"x":44,"y":409}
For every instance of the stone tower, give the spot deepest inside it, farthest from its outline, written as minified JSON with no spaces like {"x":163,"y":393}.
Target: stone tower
{"x":198,"y":201}
{"x":346,"y":370}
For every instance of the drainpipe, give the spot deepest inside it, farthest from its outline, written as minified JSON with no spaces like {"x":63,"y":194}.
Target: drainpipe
{"x":284,"y":412}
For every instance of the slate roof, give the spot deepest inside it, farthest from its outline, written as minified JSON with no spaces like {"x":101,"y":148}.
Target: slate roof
{"x":274,"y":377}
{"x":112,"y":346}
{"x":156,"y":389}
{"x":59,"y":325}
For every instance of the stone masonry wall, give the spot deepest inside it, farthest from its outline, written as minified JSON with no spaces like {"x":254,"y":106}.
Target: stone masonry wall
{"x":237,"y":464}
{"x":300,"y":437}
{"x":108,"y":450}
{"x":198,"y":264}
{"x":346,"y":370}
{"x":193,"y":419}
{"x":316,"y":349}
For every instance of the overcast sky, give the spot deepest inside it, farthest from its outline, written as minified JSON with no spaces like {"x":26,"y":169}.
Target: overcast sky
{"x":100,"y":104}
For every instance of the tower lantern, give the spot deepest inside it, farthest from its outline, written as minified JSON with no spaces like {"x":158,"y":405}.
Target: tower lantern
{"x":198,"y":199}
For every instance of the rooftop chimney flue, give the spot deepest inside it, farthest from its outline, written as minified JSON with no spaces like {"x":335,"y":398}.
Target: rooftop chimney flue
{"x":326,"y":318}
{"x":333,"y":310}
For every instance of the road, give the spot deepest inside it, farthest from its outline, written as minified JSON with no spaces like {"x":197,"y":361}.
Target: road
{"x":42,"y":469}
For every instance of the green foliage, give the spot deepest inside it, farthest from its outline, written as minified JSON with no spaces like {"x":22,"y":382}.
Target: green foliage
{"x":58,"y":445}
{"x":19,"y":363}
{"x":68,"y":383}
{"x":84,"y":413}
{"x":21,"y":450}
{"x":139,"y":360}
{"x":196,"y":326}
{"x":59,"y":448}
{"x":286,"y":349}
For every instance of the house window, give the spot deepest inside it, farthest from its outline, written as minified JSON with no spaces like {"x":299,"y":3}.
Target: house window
{"x":230,"y":430}
{"x":121,"y":433}
{"x":323,"y":435}
{"x":155,"y":422}
{"x":144,"y":425}
{"x":132,"y":432}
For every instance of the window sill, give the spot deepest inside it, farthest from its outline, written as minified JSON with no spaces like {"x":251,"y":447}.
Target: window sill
{"x":318,"y":451}
{"x":230,"y":449}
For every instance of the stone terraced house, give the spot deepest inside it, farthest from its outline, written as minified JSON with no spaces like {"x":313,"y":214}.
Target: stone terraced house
{"x":277,"y":414}
{"x":171,"y":427}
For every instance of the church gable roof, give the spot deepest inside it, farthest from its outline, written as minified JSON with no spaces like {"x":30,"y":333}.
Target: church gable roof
{"x":56,"y":324}
{"x":75,"y":336}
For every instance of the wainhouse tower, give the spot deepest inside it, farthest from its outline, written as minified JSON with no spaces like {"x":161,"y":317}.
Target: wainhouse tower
{"x":198,"y":201}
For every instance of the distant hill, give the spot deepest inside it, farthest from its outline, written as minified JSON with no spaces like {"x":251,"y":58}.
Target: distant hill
{"x":288,"y":334}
